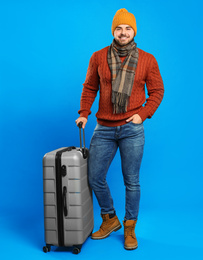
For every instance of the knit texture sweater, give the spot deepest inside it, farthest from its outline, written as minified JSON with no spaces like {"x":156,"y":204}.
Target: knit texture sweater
{"x":98,"y":78}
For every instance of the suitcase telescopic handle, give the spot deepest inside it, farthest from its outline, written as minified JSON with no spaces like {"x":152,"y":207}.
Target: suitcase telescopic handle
{"x":80,"y":126}
{"x":84,"y":150}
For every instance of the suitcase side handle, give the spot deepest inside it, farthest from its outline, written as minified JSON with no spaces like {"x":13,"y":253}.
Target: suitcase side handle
{"x":65,"y":202}
{"x":83,"y":149}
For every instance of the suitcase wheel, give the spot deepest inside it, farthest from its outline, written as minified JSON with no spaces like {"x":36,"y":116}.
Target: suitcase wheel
{"x":76,"y":250}
{"x":46,"y":249}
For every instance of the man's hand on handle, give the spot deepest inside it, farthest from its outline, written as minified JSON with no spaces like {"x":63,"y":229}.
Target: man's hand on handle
{"x":81,"y":119}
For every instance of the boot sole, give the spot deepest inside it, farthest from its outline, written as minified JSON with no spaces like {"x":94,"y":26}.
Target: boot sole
{"x":115,"y":229}
{"x":130,"y":248}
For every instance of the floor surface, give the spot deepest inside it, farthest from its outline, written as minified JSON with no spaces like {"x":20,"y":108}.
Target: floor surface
{"x":161,"y":235}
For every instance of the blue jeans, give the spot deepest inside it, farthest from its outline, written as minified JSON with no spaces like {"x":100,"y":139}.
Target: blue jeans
{"x":104,"y":144}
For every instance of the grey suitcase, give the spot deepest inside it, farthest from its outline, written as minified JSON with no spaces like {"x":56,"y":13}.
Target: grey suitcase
{"x":68,"y":207}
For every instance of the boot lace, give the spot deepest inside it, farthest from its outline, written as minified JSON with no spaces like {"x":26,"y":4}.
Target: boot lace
{"x":129,"y":231}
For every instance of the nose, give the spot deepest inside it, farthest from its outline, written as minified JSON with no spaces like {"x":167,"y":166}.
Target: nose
{"x":123,"y":32}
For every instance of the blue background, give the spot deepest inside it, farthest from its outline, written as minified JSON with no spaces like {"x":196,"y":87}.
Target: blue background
{"x":45,"y":47}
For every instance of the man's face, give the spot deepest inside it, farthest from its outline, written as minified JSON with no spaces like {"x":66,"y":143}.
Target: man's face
{"x":124,"y":34}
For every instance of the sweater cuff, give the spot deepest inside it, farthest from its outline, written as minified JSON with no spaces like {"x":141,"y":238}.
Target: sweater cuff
{"x":143,"y":114}
{"x":84,"y":113}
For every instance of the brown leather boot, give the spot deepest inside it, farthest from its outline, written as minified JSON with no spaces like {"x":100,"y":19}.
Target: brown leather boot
{"x":108,"y":226}
{"x":129,"y":234}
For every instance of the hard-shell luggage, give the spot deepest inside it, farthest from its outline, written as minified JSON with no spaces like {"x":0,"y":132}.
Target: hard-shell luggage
{"x":68,"y":207}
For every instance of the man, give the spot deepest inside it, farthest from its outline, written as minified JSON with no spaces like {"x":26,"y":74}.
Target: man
{"x":120,"y":72}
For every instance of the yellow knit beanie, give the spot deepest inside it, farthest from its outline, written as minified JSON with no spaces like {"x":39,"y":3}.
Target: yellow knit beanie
{"x":122,"y":16}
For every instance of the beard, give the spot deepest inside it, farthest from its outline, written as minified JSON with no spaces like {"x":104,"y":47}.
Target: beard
{"x":119,"y":42}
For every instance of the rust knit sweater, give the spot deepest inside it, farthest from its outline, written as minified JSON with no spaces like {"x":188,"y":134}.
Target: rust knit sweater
{"x":98,"y":78}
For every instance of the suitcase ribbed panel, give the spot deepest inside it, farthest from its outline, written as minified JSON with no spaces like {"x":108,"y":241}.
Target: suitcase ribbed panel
{"x":50,"y":198}
{"x":79,"y":222}
{"x":50,"y":210}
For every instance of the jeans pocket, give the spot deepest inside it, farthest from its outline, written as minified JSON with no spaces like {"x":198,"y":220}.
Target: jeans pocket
{"x":136,"y":123}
